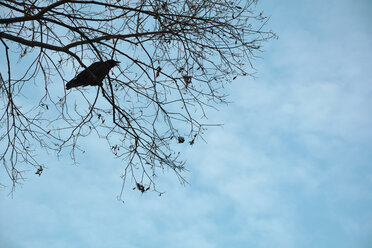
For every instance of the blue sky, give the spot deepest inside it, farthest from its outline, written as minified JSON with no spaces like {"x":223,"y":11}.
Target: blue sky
{"x":292,"y":166}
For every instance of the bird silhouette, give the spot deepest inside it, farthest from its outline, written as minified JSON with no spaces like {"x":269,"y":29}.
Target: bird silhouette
{"x":93,"y":75}
{"x":39,"y":171}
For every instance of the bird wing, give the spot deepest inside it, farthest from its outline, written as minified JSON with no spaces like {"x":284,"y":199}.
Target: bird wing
{"x":100,"y":70}
{"x":85,"y":77}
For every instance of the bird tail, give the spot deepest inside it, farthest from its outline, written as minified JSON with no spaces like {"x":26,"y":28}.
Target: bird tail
{"x":70,"y":84}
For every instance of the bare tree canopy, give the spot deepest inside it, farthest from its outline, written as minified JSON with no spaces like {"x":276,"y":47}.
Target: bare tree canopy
{"x":176,"y":57}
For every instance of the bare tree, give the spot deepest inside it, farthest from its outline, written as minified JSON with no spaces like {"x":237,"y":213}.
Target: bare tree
{"x":176,"y":57}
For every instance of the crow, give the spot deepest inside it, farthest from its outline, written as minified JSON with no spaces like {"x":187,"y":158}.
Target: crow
{"x":93,"y":75}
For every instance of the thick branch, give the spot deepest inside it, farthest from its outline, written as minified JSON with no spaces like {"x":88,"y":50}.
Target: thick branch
{"x":39,"y":44}
{"x":33,"y":17}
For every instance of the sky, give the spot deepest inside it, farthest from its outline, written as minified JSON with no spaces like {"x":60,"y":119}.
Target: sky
{"x":291,"y":167}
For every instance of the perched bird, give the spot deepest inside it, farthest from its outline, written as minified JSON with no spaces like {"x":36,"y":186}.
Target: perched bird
{"x":93,"y":75}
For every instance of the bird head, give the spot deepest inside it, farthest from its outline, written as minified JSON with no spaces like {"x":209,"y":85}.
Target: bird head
{"x":111,"y":63}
